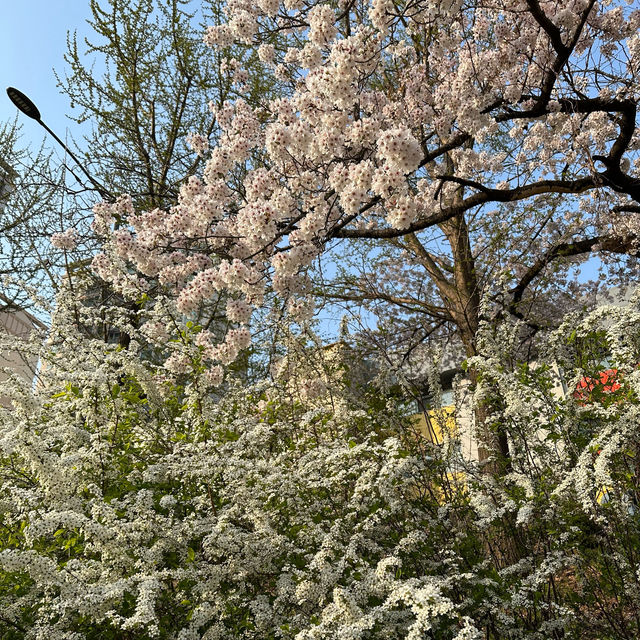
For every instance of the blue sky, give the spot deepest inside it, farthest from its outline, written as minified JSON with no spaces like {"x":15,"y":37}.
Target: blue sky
{"x":32,"y":42}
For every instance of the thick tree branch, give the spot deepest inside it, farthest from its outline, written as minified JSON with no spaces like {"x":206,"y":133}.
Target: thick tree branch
{"x":426,"y":260}
{"x":609,"y":244}
{"x":549,"y":28}
{"x":579,"y":185}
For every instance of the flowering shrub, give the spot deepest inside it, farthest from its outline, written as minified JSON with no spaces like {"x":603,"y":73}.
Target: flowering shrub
{"x":133,"y":506}
{"x":136,"y":508}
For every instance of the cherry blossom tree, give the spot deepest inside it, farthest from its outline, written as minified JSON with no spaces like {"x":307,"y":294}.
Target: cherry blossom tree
{"x":479,"y":140}
{"x":139,"y":84}
{"x":479,"y":147}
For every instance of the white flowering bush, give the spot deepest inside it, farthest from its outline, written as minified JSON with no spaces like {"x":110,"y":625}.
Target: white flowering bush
{"x":134,"y":505}
{"x":569,"y":501}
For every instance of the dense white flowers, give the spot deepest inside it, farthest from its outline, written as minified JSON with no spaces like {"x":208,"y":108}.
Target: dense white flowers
{"x":198,"y":143}
{"x":301,"y":508}
{"x":321,"y":24}
{"x":400,"y":149}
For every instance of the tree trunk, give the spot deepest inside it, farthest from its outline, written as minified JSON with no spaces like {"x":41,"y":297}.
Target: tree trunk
{"x":464,"y":304}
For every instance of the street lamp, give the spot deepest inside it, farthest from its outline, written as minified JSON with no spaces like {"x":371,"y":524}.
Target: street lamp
{"x":26,"y":106}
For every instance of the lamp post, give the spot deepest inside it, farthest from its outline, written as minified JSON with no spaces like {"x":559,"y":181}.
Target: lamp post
{"x":26,"y":106}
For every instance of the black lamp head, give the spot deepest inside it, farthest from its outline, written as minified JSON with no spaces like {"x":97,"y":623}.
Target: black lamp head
{"x":23,"y":103}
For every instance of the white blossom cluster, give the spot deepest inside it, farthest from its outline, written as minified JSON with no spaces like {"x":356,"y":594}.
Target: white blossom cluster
{"x":66,"y":240}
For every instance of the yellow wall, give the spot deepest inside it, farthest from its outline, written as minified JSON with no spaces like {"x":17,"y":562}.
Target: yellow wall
{"x":437,"y":424}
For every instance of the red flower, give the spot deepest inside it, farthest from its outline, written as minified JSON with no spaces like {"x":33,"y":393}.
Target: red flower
{"x":607,"y":382}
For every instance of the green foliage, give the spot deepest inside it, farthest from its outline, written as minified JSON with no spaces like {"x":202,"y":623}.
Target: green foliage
{"x":145,"y":92}
{"x":147,"y":89}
